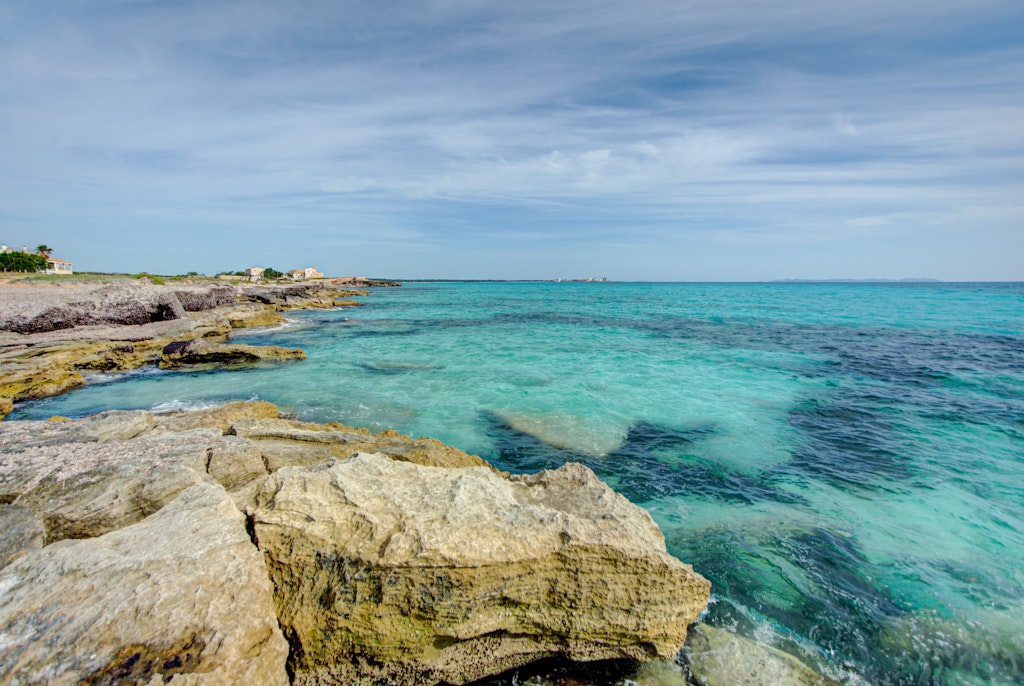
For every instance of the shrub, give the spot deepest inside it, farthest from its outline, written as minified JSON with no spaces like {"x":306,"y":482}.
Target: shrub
{"x":21,"y":262}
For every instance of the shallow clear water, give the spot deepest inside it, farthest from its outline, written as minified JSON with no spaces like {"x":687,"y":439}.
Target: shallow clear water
{"x":845,"y":462}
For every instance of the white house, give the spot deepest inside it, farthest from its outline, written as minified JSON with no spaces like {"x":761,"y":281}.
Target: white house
{"x":307,"y":273}
{"x":55,"y":266}
{"x":254,"y":273}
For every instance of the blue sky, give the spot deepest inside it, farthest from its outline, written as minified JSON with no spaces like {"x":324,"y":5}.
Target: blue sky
{"x":689,"y":140}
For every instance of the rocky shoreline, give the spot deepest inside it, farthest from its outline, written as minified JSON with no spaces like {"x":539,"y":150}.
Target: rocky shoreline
{"x":51,"y":337}
{"x":241,"y":545}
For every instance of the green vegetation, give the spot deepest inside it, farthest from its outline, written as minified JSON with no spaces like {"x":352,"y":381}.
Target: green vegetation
{"x":159,"y":281}
{"x":271,"y":273}
{"x":22,"y":262}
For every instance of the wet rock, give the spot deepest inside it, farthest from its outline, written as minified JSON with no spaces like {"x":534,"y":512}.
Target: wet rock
{"x":227,"y":354}
{"x":388,"y":571}
{"x":181,"y":594}
{"x":184,"y":347}
{"x":721,"y":658}
{"x":253,"y":315}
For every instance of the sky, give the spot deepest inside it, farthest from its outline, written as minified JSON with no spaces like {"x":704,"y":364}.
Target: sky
{"x":691,"y":140}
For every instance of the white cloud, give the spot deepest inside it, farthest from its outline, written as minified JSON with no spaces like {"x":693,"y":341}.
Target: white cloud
{"x":666,"y":117}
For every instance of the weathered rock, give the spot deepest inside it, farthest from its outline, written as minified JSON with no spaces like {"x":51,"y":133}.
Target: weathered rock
{"x":86,"y":477}
{"x":199,"y":299}
{"x":183,"y":347}
{"x":287,"y":442}
{"x":388,"y":571}
{"x":253,"y":315}
{"x":122,"y":304}
{"x":63,"y":332}
{"x":94,"y":490}
{"x":20,"y":532}
{"x":182,"y":594}
{"x":229,"y":354}
{"x":721,"y":658}
{"x":302,"y":295}
{"x":235,"y":462}
{"x":220,"y":417}
{"x":113,"y":425}
{"x":6,"y":407}
{"x":166,"y":306}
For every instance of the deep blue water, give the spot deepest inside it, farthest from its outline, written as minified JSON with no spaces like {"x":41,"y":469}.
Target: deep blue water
{"x":845,"y":462}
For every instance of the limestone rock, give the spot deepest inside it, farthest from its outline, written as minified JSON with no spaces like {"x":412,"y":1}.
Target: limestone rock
{"x":220,"y":417}
{"x":392,"y":571}
{"x":228,"y":354}
{"x":95,"y":490}
{"x":114,"y":425}
{"x":129,"y":304}
{"x":184,"y":347}
{"x":87,"y":477}
{"x":20,"y":532}
{"x":252,"y":315}
{"x":201,"y":298}
{"x":182,"y":594}
{"x":721,"y":658}
{"x":6,"y":407}
{"x":287,"y":442}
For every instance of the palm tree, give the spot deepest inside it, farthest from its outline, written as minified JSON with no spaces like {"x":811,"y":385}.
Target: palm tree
{"x":44,"y":250}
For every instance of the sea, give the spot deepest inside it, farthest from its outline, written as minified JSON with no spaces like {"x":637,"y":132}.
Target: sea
{"x":844,"y":461}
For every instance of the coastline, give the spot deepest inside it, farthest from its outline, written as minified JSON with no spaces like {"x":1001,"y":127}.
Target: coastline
{"x":53,"y":335}
{"x":102,"y":348}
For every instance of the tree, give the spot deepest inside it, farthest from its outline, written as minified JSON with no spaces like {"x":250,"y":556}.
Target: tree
{"x":44,"y":250}
{"x":271,"y":273}
{"x":21,"y":262}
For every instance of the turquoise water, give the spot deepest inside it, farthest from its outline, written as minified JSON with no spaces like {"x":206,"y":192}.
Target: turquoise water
{"x":845,"y":462}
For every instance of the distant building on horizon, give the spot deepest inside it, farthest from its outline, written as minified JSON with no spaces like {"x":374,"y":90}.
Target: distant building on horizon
{"x":307,"y":273}
{"x":254,"y":273}
{"x":55,"y":266}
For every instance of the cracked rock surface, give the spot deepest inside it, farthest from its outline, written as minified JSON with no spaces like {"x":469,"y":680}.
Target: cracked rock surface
{"x":231,"y":545}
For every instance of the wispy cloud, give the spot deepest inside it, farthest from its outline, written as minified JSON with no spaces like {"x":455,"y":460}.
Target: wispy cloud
{"x":753,"y":124}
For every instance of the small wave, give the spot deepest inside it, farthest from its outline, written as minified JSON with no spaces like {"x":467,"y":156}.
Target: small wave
{"x":110,"y":377}
{"x":192,"y":405}
{"x":286,"y":325}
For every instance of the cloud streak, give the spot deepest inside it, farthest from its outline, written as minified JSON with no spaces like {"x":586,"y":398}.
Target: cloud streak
{"x":374,"y":132}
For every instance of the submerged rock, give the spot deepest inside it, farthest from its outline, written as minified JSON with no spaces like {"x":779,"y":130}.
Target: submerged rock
{"x":721,"y":658}
{"x":182,"y":593}
{"x":567,"y":432}
{"x":452,"y":575}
